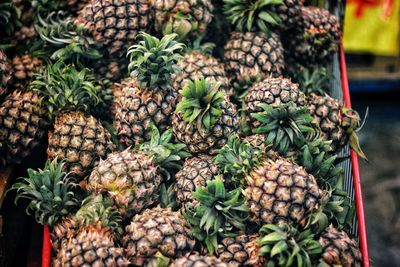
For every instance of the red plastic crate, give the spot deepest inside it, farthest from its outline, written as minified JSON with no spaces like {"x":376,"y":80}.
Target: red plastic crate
{"x":352,"y":175}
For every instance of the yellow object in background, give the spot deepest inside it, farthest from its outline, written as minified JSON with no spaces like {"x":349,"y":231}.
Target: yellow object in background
{"x":369,"y":30}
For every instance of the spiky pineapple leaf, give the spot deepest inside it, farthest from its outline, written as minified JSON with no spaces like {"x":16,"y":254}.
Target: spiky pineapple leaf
{"x":217,"y":214}
{"x":63,"y":87}
{"x":258,"y":15}
{"x":283,"y":126}
{"x":283,"y":245}
{"x":201,"y":103}
{"x":51,"y":192}
{"x":152,"y":60}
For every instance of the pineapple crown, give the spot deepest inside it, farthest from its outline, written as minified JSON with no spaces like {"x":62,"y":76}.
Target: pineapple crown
{"x":317,"y":157}
{"x":167,"y":155}
{"x":180,"y":24}
{"x":61,"y":38}
{"x":199,"y":46}
{"x":50,"y":191}
{"x":284,"y":245}
{"x":283,"y":126}
{"x":63,"y":87}
{"x":253,"y":15}
{"x":335,"y":207}
{"x":201,"y":103}
{"x":152,"y":61}
{"x":317,"y":80}
{"x":237,"y":158}
{"x":9,"y":18}
{"x":100,"y":212}
{"x":217,"y":214}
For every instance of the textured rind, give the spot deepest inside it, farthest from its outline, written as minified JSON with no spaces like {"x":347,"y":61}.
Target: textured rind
{"x":155,"y":231}
{"x":80,"y":140}
{"x":251,"y":55}
{"x":23,"y":123}
{"x":339,"y":249}
{"x":274,"y":92}
{"x":206,"y":140}
{"x":199,"y":261}
{"x":25,"y":67}
{"x":115,"y":23}
{"x":280,"y":191}
{"x":5,"y":73}
{"x":90,"y":247}
{"x":327,"y":113}
{"x":194,"y":173}
{"x":242,"y":250}
{"x":136,"y":109}
{"x":289,"y":13}
{"x":129,"y":178}
{"x":200,"y":12}
{"x":63,"y":230}
{"x":315,"y":21}
{"x":195,"y":65}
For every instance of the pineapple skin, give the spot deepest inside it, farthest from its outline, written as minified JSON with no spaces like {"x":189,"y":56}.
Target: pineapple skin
{"x":130,"y":179}
{"x":115,"y":23}
{"x":62,"y":231}
{"x":251,"y":55}
{"x":274,"y":92}
{"x":339,"y":248}
{"x":280,"y":191}
{"x":24,"y":68}
{"x":5,"y":74}
{"x":80,"y":140}
{"x":156,"y":231}
{"x":136,"y":109}
{"x":90,"y":247}
{"x":199,"y":261}
{"x":194,"y":173}
{"x":207,"y":140}
{"x":242,"y":250}
{"x":327,"y":114}
{"x":23,"y":123}
{"x":195,"y":65}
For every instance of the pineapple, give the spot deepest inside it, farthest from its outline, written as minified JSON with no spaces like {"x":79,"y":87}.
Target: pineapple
{"x":315,"y":40}
{"x":339,"y":248}
{"x":198,"y":261}
{"x":242,"y":250}
{"x":116,"y":23}
{"x":337,"y":123}
{"x":198,"y":62}
{"x":194,"y":173}
{"x":90,"y":247}
{"x":274,"y":92}
{"x":217,"y":214}
{"x":23,"y":124}
{"x":5,"y":73}
{"x":204,"y":118}
{"x":280,"y":191}
{"x":132,"y":178}
{"x":156,"y":231}
{"x":250,"y":55}
{"x":25,"y":67}
{"x":149,"y":98}
{"x":64,"y":229}
{"x":276,"y":190}
{"x":253,"y":51}
{"x":77,"y":137}
{"x":94,"y":241}
{"x":182,"y":16}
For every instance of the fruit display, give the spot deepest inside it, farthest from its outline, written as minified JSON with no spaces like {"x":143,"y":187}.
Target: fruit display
{"x":179,"y":133}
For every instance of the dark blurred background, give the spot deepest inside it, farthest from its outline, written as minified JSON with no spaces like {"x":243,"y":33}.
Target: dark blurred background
{"x":372,"y":44}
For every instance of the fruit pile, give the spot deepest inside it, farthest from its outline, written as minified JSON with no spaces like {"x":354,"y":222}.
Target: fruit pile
{"x":180,"y":132}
